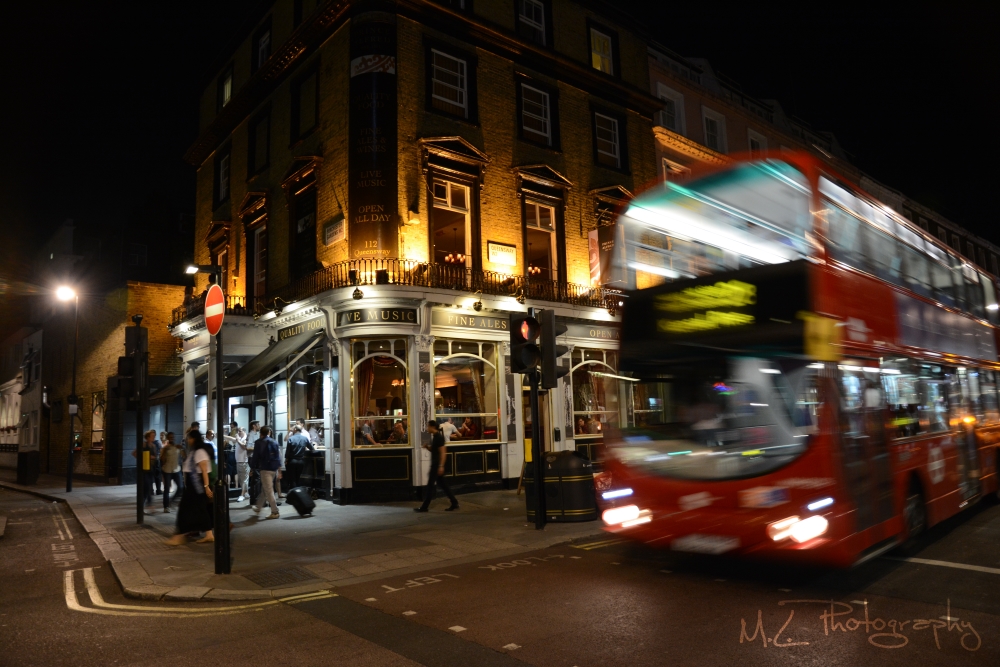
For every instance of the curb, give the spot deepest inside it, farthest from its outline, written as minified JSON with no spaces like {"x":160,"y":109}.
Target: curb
{"x":32,"y":492}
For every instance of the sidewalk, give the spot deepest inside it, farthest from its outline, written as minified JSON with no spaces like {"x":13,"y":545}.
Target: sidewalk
{"x":337,"y":546}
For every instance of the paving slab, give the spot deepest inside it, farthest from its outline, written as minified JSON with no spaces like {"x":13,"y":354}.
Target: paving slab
{"x":148,"y":592}
{"x":187,"y":593}
{"x":225,"y":594}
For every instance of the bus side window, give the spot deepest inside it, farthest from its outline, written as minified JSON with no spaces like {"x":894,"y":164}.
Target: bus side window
{"x":944,"y":289}
{"x":990,"y":293}
{"x":988,"y":395}
{"x":902,"y":397}
{"x":958,"y":282}
{"x":915,"y":268}
{"x":974,"y":294}
{"x":933,"y":412}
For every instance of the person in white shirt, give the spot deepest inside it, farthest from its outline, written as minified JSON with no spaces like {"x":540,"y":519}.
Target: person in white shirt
{"x":449,"y":431}
{"x":239,"y":441}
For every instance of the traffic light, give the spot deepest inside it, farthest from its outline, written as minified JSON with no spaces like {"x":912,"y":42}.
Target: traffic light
{"x":551,"y":370}
{"x":524,"y":352}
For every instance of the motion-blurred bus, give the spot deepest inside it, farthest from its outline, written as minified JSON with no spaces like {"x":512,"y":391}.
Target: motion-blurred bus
{"x":811,"y":375}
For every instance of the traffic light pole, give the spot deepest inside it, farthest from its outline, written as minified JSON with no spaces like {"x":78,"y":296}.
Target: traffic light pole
{"x":221,"y":500}
{"x":139,"y":387}
{"x":536,"y":452}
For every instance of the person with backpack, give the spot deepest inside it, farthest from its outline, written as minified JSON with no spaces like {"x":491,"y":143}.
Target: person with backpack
{"x":195,"y":515}
{"x":267,"y":459}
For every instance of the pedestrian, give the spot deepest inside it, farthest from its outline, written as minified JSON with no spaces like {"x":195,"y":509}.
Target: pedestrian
{"x":229,"y":443}
{"x":267,"y":459}
{"x":194,"y":514}
{"x":145,"y":456}
{"x":295,"y":455}
{"x":254,"y":483}
{"x":195,"y":426}
{"x":238,"y":438}
{"x":436,"y":476}
{"x":449,"y":431}
{"x":170,"y":465}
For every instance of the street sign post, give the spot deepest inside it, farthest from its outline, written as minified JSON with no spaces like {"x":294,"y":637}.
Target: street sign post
{"x":215,"y":312}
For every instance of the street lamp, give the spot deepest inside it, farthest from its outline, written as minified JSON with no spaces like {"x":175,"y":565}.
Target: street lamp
{"x":221,"y":500}
{"x":66,"y":293}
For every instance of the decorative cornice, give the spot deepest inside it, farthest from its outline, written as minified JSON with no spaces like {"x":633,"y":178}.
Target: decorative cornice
{"x":218,"y":231}
{"x":615,"y":194}
{"x":675,"y":142}
{"x":308,"y":37}
{"x":454,"y":148}
{"x":300,"y":168}
{"x":543,"y":174}
{"x":252,"y":202}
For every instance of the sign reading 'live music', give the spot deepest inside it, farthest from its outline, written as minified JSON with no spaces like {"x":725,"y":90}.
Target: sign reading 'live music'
{"x":377,"y":316}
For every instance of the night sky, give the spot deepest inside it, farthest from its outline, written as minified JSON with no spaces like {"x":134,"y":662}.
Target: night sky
{"x":100,"y":99}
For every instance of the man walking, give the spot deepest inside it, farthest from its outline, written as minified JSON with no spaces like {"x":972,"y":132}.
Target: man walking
{"x":170,"y":465}
{"x":238,"y":439}
{"x":436,"y":476}
{"x":268,"y":460}
{"x":295,"y":455}
{"x":146,"y":465}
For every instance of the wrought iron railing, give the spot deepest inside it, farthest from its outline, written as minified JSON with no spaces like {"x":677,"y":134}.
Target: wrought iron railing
{"x":367,"y":272}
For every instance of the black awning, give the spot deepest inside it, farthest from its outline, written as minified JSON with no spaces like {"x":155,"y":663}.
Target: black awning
{"x":168,"y":393}
{"x":270,"y":362}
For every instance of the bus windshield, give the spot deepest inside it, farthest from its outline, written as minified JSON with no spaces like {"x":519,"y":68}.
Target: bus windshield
{"x":722,"y":418}
{"x":754,"y":213}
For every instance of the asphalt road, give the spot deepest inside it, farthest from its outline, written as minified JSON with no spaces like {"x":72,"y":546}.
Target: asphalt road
{"x":597,"y":602}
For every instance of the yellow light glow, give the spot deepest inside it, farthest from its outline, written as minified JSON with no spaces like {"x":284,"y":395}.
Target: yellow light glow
{"x":732,"y":294}
{"x":713,"y":319}
{"x":65,"y":293}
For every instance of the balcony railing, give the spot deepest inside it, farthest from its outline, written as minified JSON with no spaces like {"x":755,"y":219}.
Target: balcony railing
{"x":366,"y":272}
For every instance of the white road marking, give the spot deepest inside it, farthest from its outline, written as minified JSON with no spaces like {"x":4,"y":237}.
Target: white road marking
{"x":862,"y":602}
{"x":576,"y":557}
{"x":457,"y":628}
{"x":597,"y":545}
{"x":944,"y":563}
{"x":110,"y":609}
{"x":370,"y":599}
{"x":511,"y":647}
{"x":409,"y":613}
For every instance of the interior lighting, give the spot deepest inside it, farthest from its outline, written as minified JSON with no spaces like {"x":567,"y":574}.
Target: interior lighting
{"x":617,"y":515}
{"x":65,"y":293}
{"x":191,"y":270}
{"x":816,"y":366}
{"x":993,"y":306}
{"x":820,"y":504}
{"x":301,"y":382}
{"x":617,"y":493}
{"x":358,"y":294}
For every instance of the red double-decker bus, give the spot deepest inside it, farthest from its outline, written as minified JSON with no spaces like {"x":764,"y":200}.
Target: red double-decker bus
{"x":811,"y":375}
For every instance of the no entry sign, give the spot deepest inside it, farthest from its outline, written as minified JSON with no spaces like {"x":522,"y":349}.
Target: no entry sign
{"x":215,"y":309}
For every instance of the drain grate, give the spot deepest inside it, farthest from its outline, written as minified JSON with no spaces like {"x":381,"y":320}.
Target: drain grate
{"x":280,"y":577}
{"x":141,"y":541}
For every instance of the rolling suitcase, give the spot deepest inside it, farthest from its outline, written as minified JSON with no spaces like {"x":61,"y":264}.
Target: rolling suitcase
{"x":301,"y":499}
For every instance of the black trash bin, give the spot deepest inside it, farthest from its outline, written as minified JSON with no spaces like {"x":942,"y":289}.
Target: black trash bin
{"x":27,"y":468}
{"x":569,"y":488}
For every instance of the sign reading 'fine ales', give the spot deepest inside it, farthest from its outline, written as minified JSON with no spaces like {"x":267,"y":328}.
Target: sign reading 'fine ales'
{"x":372,"y":190}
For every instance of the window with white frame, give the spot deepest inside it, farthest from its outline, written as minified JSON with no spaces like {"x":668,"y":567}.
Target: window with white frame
{"x":601,"y":52}
{"x":450,"y":220}
{"x":536,"y":114}
{"x":672,"y":114}
{"x":595,"y":392}
{"x":263,"y":47}
{"x":756,"y":142}
{"x":531,"y":21}
{"x":449,"y":84}
{"x":608,"y":140}
{"x":540,"y":239}
{"x":715,"y":129}
{"x":380,"y":393}
{"x":226,"y":87}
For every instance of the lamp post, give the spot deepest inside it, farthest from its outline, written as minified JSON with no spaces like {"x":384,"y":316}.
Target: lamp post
{"x":65,"y":293}
{"x":221,"y":493}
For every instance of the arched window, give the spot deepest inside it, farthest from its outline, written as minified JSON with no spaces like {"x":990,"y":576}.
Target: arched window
{"x":595,"y":393}
{"x":379,"y":381}
{"x":466,"y":389}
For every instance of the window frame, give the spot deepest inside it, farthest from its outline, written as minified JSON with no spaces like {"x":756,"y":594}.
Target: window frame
{"x":612,"y":35}
{"x":227,"y":74}
{"x":264,"y":30}
{"x":253,"y":168}
{"x":553,"y":141}
{"x":555,"y":240}
{"x":496,"y":385}
{"x":402,"y":360}
{"x":470,"y":243}
{"x":666,"y":93}
{"x":720,"y":120}
{"x":754,"y":135}
{"x":223,"y":163}
{"x":546,"y":6}
{"x":471,"y":63}
{"x":297,"y":133}
{"x":621,"y":129}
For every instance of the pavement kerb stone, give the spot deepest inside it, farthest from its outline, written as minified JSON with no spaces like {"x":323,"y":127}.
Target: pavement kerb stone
{"x":187,"y":593}
{"x":232,"y":594}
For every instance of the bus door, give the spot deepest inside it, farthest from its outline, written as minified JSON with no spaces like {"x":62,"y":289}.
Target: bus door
{"x":964,"y":411}
{"x":867,"y":466}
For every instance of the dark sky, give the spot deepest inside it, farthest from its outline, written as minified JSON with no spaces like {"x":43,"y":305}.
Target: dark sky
{"x":100,"y":99}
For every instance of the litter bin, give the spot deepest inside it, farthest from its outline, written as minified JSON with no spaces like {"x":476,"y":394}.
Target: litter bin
{"x":27,"y":468}
{"x":569,"y":488}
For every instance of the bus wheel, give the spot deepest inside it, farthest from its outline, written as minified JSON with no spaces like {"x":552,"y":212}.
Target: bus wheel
{"x":915,"y":517}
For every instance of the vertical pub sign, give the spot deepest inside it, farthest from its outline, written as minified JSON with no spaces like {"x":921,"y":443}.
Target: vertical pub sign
{"x":372,"y":164}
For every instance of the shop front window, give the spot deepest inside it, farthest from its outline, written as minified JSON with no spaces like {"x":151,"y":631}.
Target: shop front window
{"x":595,"y":393}
{"x":381,"y":418}
{"x":306,"y":398}
{"x":466,"y":389}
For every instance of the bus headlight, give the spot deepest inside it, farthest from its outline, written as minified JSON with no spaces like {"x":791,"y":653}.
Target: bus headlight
{"x":617,"y":515}
{"x":799,"y":530}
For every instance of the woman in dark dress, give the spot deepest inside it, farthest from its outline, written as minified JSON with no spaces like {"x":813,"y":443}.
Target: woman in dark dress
{"x":194,"y":515}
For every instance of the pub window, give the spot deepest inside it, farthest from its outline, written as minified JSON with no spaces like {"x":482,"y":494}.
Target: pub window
{"x":97,"y":421}
{"x":450,"y":216}
{"x":540,"y":241}
{"x":595,"y":392}
{"x":536,"y":115}
{"x":466,"y":389}
{"x":531,"y":21}
{"x":258,"y":149}
{"x":380,"y":393}
{"x":600,"y":51}
{"x":305,"y":393}
{"x":222,"y":176}
{"x":672,"y":114}
{"x":305,"y":105}
{"x":261,"y":46}
{"x":607,"y":141}
{"x":302,"y":258}
{"x":714,"y":125}
{"x":449,"y":84}
{"x":225,"y":93}
{"x":220,"y":257}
